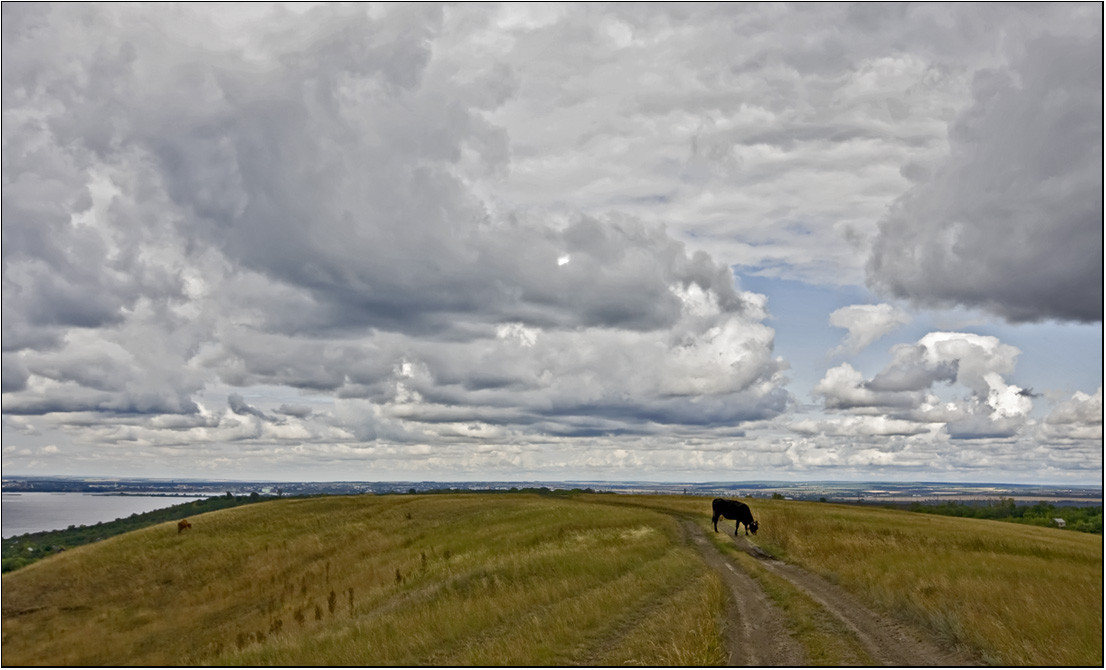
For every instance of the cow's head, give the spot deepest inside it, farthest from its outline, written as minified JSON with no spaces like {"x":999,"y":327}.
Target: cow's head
{"x":753,"y":527}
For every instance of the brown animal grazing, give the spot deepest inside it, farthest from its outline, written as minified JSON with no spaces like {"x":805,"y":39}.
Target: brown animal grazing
{"x":183,"y":525}
{"x":736,"y":510}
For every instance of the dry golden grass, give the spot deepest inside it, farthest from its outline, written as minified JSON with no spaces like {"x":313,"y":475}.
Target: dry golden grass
{"x":527,"y":580}
{"x":396,"y":580}
{"x":672,"y":631}
{"x":1021,"y":595}
{"x":1014,"y":594}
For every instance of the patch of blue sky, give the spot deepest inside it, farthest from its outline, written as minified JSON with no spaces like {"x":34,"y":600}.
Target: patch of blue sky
{"x":1056,"y":360}
{"x":800,"y":316}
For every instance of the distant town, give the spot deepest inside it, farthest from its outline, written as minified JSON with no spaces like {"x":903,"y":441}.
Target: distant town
{"x":841,"y":492}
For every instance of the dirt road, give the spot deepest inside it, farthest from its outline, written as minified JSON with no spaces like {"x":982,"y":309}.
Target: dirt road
{"x":755,"y":633}
{"x":758,"y":634}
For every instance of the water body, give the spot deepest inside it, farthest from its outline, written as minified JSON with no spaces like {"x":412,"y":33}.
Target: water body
{"x":36,"y":512}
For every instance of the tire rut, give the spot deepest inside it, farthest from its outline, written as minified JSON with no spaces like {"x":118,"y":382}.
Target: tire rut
{"x":889,"y":642}
{"x":756,"y":631}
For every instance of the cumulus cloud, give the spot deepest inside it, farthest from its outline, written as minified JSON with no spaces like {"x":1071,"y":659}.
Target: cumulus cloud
{"x":979,"y":359}
{"x":912,"y":375}
{"x":775,"y":135}
{"x":238,"y":405}
{"x":844,"y":388}
{"x":866,"y":324}
{"x":1011,"y":220}
{"x":902,"y":393}
{"x":1079,"y":418}
{"x":406,"y":237}
{"x":329,"y":164}
{"x":301,"y":206}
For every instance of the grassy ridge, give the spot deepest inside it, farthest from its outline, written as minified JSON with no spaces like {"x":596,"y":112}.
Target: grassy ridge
{"x":403,"y":580}
{"x":1021,"y":595}
{"x":1015,"y":594}
{"x":22,"y":550}
{"x":529,"y":580}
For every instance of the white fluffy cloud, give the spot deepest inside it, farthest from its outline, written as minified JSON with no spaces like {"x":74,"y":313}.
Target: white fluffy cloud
{"x":943,"y":404}
{"x":1077,"y":419}
{"x":904,"y":391}
{"x":866,"y":324}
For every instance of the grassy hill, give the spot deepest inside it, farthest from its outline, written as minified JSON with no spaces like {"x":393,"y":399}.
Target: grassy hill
{"x":1014,"y":594}
{"x":526,"y":580}
{"x":22,"y":550}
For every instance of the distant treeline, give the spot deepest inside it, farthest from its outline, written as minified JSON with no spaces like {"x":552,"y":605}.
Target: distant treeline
{"x":1084,"y":519}
{"x":25,"y":549}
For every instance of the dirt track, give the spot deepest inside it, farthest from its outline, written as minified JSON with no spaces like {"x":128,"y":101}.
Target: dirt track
{"x":757,"y":633}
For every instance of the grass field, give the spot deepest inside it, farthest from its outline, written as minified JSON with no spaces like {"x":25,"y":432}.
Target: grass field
{"x":1023,"y":596}
{"x":394,"y":580}
{"x":1014,"y":594}
{"x":532,"y":580}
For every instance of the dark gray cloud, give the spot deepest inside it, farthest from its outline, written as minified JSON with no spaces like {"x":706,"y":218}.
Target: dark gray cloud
{"x":298,"y":411}
{"x":72,"y":401}
{"x":15,"y":374}
{"x":977,"y":427}
{"x":913,"y":376}
{"x":1011,"y":222}
{"x":238,"y":405}
{"x":333,"y":169}
{"x":844,"y":388}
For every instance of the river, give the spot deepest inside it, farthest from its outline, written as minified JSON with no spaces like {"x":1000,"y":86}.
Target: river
{"x":34,"y":512}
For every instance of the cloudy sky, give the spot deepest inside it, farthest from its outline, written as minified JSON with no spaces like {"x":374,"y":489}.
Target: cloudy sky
{"x":513,"y":242}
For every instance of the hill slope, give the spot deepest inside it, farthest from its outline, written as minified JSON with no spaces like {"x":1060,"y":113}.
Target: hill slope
{"x":396,"y":580}
{"x":531,"y":580}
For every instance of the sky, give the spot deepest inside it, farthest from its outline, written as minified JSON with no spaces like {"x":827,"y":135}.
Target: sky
{"x":554,"y":242}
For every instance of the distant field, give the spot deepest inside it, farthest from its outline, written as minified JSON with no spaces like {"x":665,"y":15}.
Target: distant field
{"x":480,"y":579}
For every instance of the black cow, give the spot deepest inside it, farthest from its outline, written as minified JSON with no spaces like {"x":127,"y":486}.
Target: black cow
{"x":736,"y":511}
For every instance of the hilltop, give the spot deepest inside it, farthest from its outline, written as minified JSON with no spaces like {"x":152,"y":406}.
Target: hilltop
{"x":523,"y":579}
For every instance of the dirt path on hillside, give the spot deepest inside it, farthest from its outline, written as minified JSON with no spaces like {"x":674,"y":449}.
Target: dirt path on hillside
{"x":889,"y":642}
{"x":756,"y":634}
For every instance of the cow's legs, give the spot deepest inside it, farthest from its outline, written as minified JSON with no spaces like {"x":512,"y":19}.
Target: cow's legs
{"x":715,"y":520}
